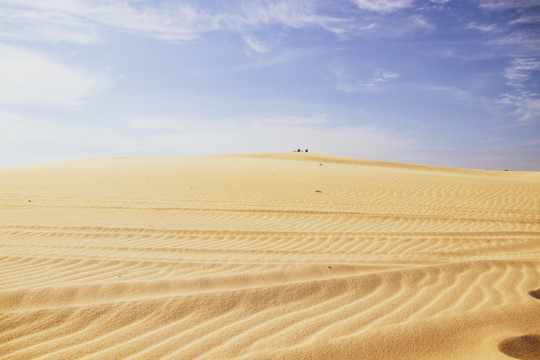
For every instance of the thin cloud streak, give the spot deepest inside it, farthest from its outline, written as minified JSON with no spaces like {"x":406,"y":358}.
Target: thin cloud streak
{"x":520,"y":71}
{"x":384,"y":6}
{"x":255,"y":45}
{"x":349,"y":83}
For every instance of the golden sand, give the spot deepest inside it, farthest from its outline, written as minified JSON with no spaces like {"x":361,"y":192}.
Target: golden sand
{"x":272,"y":256}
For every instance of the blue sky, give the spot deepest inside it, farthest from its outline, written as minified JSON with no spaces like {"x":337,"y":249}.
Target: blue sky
{"x":439,"y":82}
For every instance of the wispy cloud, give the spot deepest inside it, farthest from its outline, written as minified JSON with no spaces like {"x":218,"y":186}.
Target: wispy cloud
{"x":517,"y":43}
{"x":288,"y":13}
{"x":530,"y":17}
{"x":485,"y":28}
{"x":47,"y":19}
{"x":521,"y":70}
{"x":30,"y":77}
{"x":526,"y":106}
{"x":455,"y":96}
{"x":274,"y":59}
{"x":384,"y":76}
{"x":348,"y":83}
{"x":42,"y":22}
{"x":498,"y":41}
{"x":506,"y":4}
{"x":383,"y":5}
{"x":85,"y":22}
{"x":522,"y":75}
{"x":255,"y":45}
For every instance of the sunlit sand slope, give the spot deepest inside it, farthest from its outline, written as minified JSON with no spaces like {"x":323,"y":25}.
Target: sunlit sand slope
{"x":274,"y":256}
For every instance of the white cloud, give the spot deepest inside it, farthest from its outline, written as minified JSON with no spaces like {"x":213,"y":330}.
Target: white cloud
{"x":482,"y":28}
{"x":506,"y":4}
{"x":83,"y":22}
{"x":288,"y":13}
{"x":274,"y":59}
{"x":30,"y":77}
{"x":347,"y":83}
{"x":454,"y":95}
{"x":382,"y":75}
{"x":383,"y":5}
{"x":524,"y":101}
{"x":500,"y":42}
{"x":20,"y":22}
{"x":526,"y":105}
{"x":521,"y":70}
{"x":519,"y":43}
{"x":521,"y":105}
{"x":255,"y":45}
{"x":527,"y":18}
{"x":418,"y":21}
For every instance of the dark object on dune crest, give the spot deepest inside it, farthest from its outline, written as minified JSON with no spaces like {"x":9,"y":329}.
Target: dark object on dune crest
{"x":318,"y":191}
{"x":535,"y":293}
{"x":521,"y":347}
{"x":306,"y":150}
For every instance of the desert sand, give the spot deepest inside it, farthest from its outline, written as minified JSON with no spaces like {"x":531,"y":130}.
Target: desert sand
{"x":267,"y":256}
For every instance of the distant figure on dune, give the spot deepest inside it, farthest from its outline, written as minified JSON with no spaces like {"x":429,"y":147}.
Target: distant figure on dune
{"x":299,"y":150}
{"x":306,"y":150}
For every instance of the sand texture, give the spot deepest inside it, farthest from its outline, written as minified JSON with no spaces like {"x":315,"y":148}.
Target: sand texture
{"x":272,"y":256}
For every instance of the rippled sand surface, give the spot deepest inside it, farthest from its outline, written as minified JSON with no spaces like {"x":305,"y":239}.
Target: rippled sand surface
{"x":269,"y":256}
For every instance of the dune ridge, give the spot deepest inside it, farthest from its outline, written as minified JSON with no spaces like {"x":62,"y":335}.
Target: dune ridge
{"x":267,"y":256}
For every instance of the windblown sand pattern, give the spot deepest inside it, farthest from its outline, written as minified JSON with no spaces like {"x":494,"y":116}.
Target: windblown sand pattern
{"x":275,"y":256}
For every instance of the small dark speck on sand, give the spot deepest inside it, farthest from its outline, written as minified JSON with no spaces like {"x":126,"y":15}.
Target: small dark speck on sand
{"x":329,"y":267}
{"x":318,"y":191}
{"x":29,"y":200}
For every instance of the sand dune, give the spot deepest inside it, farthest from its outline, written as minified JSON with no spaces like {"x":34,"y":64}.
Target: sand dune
{"x":269,"y":256}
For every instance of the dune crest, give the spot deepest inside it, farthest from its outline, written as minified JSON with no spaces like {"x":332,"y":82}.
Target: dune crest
{"x":267,"y":256}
